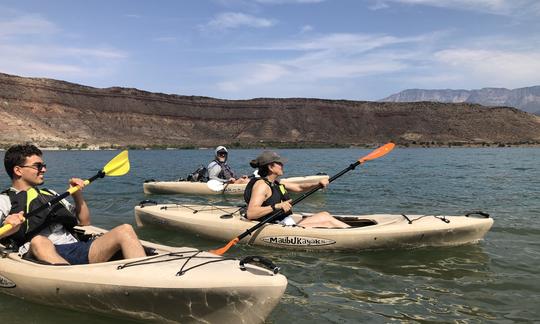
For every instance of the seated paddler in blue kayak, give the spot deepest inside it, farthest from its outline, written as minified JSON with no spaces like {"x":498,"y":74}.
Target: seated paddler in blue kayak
{"x":265,"y":195}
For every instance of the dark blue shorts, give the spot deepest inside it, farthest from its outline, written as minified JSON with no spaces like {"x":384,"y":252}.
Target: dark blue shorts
{"x":75,"y":253}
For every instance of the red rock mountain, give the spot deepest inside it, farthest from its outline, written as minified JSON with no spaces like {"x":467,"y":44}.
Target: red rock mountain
{"x":57,"y":113}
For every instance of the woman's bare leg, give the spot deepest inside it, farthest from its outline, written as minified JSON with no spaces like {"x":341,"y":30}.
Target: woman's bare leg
{"x":322,"y":219}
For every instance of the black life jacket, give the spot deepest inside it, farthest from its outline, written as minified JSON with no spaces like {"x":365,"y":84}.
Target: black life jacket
{"x":226,"y":172}
{"x":279,"y":194}
{"x":31,"y":199}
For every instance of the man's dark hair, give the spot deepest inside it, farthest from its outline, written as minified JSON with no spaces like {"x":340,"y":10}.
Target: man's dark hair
{"x":17,"y":154}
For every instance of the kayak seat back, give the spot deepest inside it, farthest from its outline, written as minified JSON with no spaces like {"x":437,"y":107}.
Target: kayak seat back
{"x":28,"y":256}
{"x":147,"y":250}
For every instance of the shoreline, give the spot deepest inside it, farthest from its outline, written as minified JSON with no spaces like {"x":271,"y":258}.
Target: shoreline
{"x":282,"y":146}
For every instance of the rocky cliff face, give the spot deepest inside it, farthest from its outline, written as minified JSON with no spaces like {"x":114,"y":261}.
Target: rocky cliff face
{"x":526,"y":99}
{"x":57,"y":113}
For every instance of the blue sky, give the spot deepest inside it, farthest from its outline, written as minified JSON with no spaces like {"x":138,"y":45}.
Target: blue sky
{"x":240,"y":49}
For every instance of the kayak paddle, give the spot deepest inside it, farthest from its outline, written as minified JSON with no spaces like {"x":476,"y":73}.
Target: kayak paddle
{"x":381,"y":151}
{"x":215,"y":185}
{"x":118,"y":166}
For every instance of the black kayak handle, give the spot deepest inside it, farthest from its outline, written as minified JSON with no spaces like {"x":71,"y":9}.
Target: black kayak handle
{"x":478,"y":212}
{"x":259,"y":260}
{"x":147,"y":202}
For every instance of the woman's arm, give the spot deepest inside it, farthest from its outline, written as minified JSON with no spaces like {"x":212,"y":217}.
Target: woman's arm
{"x":301,"y":187}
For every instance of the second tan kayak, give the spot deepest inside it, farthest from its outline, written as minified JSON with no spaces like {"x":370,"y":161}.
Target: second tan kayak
{"x":202,"y":188}
{"x":379,"y":231}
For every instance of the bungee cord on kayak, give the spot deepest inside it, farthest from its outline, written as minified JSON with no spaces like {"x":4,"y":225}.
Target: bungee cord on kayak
{"x":444,"y":218}
{"x":211,"y":207}
{"x":180,"y":255}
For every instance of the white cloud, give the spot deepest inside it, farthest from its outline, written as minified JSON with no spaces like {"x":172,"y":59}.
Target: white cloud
{"x":320,"y":61}
{"x":251,"y":75}
{"x":58,"y":61}
{"x":45,"y":53}
{"x":512,"y":68}
{"x":98,"y":53}
{"x":345,"y":43}
{"x":248,"y":3}
{"x":380,"y":4}
{"x":27,"y":25}
{"x":333,"y":65}
{"x":288,"y":1}
{"x":165,"y":39}
{"x":499,"y":7}
{"x":306,"y":29}
{"x":229,"y":20}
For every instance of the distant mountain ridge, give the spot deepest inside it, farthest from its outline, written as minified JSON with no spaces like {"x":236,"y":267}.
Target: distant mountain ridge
{"x":526,"y":99}
{"x":58,"y":113}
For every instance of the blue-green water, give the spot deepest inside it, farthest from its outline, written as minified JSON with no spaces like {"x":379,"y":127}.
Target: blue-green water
{"x":495,"y":280}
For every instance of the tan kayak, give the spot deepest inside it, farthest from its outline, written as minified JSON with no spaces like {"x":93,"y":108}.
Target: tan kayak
{"x":380,"y":231}
{"x":202,"y":188}
{"x":179,"y":284}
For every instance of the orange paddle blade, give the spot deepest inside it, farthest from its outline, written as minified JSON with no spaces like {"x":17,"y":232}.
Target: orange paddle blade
{"x":381,"y":151}
{"x":226,"y":247}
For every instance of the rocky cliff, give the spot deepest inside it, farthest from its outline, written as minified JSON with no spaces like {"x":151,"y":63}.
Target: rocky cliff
{"x":526,"y":99}
{"x":57,"y":113}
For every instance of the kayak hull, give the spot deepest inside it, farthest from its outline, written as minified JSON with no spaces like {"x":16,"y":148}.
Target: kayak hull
{"x":150,"y":291}
{"x":201,"y":188}
{"x":369,"y":232}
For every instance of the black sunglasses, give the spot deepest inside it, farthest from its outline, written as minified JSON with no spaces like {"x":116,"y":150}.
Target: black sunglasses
{"x":36,"y":166}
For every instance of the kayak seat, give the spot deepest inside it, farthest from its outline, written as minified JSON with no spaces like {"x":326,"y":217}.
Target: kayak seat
{"x":357,"y":222}
{"x":118,"y":256}
{"x":28,"y":256}
{"x":147,"y":250}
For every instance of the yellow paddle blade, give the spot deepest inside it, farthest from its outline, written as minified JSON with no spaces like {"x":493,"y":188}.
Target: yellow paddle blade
{"x":4,"y":229}
{"x":381,"y":151}
{"x":118,"y":166}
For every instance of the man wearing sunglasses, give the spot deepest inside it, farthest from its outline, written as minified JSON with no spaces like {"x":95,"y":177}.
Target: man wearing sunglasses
{"x":219,"y":170}
{"x":48,"y":235}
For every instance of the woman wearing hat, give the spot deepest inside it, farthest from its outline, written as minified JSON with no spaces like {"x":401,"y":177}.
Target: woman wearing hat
{"x":265,"y":195}
{"x":219,"y":170}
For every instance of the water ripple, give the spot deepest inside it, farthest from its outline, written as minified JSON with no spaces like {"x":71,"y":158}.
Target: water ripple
{"x":493,"y":281}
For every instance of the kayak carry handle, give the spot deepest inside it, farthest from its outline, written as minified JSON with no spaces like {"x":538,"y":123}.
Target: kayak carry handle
{"x":259,"y":260}
{"x":478,"y":212}
{"x":147,"y":202}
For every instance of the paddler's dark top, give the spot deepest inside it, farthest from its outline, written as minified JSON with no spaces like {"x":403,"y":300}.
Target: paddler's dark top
{"x":279,"y":194}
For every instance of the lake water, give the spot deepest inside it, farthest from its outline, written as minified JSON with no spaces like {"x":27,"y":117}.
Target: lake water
{"x":496,"y":280}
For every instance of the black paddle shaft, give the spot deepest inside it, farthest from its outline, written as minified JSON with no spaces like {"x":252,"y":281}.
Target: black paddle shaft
{"x":280,"y":212}
{"x":57,"y":199}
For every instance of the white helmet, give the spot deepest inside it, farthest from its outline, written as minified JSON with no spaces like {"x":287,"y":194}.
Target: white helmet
{"x":221,"y":149}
